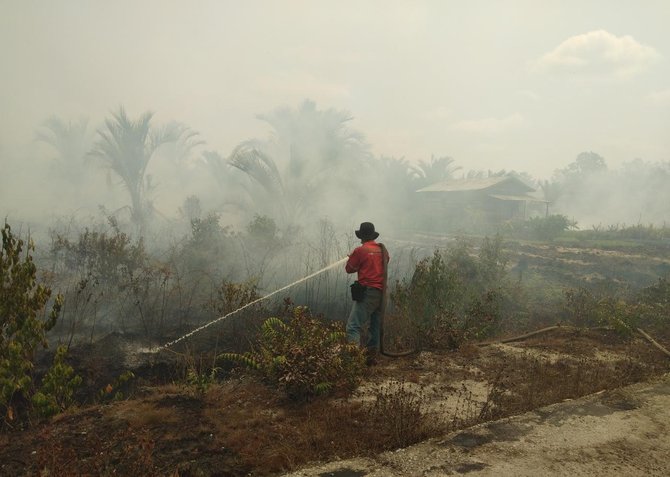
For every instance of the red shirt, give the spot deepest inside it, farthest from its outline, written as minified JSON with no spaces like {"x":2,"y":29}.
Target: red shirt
{"x":367,"y":261}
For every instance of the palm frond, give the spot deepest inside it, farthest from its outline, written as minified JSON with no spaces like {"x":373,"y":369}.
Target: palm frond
{"x":258,"y":166}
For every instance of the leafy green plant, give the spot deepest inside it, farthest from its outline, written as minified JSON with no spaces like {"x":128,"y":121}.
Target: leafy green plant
{"x":58,"y":386}
{"x":304,"y":356}
{"x":199,"y":372}
{"x":21,"y":330}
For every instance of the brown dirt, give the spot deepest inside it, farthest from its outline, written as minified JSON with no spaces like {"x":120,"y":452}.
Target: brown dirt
{"x":622,"y":433}
{"x":241,"y":427}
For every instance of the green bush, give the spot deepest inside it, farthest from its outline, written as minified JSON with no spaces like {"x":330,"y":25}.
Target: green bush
{"x":304,"y":356}
{"x":585,"y":309}
{"x":550,"y":227}
{"x":454,"y":295}
{"x":653,"y":304}
{"x":22,"y":331}
{"x":107,"y":257}
{"x":58,"y":386}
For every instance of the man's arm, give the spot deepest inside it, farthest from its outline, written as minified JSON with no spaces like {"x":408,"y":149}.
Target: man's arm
{"x":354,"y":262}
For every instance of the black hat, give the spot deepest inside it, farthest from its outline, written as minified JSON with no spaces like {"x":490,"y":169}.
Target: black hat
{"x":367,"y":231}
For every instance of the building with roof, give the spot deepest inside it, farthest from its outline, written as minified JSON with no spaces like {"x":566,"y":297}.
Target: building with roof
{"x":490,"y":200}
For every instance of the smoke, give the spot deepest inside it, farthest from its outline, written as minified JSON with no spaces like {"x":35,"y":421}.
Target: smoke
{"x":635,"y":194}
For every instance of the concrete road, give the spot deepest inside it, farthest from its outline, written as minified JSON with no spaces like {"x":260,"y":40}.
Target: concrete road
{"x":625,"y":432}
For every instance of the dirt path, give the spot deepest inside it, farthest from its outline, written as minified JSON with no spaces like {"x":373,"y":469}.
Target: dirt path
{"x":625,"y":432}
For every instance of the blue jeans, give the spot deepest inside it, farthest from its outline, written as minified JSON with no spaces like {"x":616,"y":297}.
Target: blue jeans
{"x":363,"y":313}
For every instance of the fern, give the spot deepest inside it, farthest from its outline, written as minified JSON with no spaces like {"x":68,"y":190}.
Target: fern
{"x":272,"y":326}
{"x":245,"y":359}
{"x":336,"y":336}
{"x":304,"y":357}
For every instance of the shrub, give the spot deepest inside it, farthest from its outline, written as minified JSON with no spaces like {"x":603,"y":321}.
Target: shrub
{"x":399,"y":415}
{"x":58,"y":386}
{"x":231,"y":296}
{"x":304,"y":356}
{"x":21,"y":332}
{"x":454,"y":296}
{"x":108,"y":257}
{"x":587,"y":309}
{"x":550,"y":227}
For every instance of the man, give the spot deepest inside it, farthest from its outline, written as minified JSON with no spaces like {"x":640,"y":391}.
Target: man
{"x":369,"y":261}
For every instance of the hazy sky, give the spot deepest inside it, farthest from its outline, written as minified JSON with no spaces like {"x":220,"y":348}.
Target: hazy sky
{"x":523,"y":85}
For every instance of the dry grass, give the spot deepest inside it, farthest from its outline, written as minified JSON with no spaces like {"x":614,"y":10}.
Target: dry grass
{"x":143,"y":414}
{"x":241,"y":426}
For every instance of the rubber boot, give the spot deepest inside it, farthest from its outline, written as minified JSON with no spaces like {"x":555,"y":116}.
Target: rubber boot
{"x":371,"y":356}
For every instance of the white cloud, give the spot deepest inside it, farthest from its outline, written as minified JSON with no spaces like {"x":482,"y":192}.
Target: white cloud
{"x":660,"y":97}
{"x":599,"y":53}
{"x":490,"y":125}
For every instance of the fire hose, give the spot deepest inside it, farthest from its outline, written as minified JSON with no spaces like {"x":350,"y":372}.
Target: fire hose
{"x":563,"y":327}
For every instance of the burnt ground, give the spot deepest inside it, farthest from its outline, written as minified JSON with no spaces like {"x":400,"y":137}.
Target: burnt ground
{"x":459,"y":404}
{"x":239,"y":426}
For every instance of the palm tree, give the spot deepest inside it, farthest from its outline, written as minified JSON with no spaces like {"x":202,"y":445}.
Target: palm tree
{"x":71,"y":140}
{"x":126,"y":147}
{"x":398,"y":177}
{"x":437,"y":170}
{"x":310,"y":156}
{"x":269,"y":192}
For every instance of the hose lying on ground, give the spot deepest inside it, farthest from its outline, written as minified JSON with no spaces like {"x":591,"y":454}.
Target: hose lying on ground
{"x":652,"y":341}
{"x":559,"y":327}
{"x":521,"y":337}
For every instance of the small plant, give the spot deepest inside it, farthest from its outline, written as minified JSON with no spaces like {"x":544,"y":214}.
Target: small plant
{"x":114,"y":391}
{"x":230,"y":296}
{"x":58,"y":386}
{"x":304,"y":356}
{"x":399,"y":416}
{"x":199,"y":375}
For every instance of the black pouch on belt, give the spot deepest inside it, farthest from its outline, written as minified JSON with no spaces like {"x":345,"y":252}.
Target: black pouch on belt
{"x":357,"y":291}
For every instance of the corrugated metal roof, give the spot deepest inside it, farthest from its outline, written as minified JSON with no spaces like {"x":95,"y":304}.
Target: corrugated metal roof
{"x":461,"y":185}
{"x":525,"y":198}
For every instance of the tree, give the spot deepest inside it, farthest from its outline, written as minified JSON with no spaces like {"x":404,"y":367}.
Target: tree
{"x":71,"y":141}
{"x":126,"y":147}
{"x":437,"y":170}
{"x":311,"y":156}
{"x":551,"y":190}
{"x":581,"y":184}
{"x":586,"y":163}
{"x":267,"y":189}
{"x":398,"y":183}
